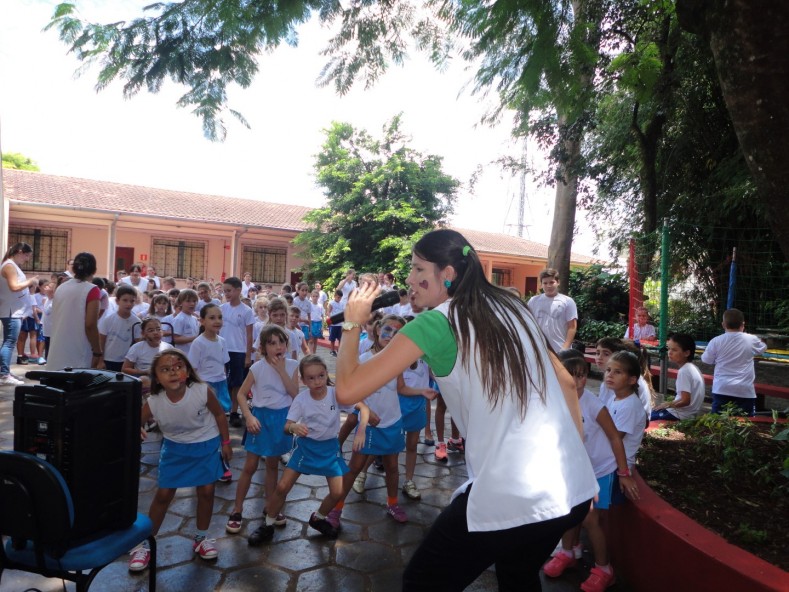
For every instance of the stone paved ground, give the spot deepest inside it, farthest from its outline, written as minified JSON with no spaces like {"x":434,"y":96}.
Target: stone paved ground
{"x":368,"y":556}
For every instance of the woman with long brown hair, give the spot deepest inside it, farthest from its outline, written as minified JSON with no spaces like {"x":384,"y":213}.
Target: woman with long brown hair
{"x":530,"y":478}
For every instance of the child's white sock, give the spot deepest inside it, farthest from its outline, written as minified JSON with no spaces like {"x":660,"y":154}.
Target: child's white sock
{"x":606,"y":568}
{"x":578,"y":551}
{"x":568,"y":552}
{"x":270,"y":520}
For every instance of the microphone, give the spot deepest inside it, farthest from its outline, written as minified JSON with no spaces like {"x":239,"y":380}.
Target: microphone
{"x":389,"y":298}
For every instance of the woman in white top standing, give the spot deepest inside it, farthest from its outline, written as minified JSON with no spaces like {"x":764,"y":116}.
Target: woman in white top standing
{"x":74,"y":322}
{"x":14,"y":290}
{"x":507,"y":391}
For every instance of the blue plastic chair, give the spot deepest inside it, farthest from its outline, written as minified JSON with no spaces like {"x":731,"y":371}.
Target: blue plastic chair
{"x":37,"y":514}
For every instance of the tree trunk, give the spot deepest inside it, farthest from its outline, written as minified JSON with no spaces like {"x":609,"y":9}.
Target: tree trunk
{"x":750,"y":45}
{"x":564,"y":212}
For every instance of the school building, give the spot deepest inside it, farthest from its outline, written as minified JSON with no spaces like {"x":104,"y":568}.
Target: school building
{"x":192,"y":235}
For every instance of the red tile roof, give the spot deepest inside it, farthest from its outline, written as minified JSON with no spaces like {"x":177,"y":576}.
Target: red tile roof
{"x":504,"y":244}
{"x":39,"y":188}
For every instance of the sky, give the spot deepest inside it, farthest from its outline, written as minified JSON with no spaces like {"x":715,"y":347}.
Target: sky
{"x":60,"y":121}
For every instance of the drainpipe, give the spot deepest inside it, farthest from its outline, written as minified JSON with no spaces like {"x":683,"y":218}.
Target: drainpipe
{"x":234,"y":251}
{"x":111,"y":248}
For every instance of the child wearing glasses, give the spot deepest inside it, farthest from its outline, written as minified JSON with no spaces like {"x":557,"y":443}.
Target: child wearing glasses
{"x":195,"y":428}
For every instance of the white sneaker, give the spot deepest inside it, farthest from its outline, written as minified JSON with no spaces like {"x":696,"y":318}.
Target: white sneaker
{"x":410,"y":490}
{"x":10,"y":381}
{"x":358,"y":483}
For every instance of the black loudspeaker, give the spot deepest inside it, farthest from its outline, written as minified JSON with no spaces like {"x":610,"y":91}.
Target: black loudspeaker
{"x":87,"y":424}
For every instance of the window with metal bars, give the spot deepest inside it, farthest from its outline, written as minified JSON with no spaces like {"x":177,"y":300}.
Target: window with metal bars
{"x":266,"y":264}
{"x":179,"y":258}
{"x":50,"y":247}
{"x":502,"y":277}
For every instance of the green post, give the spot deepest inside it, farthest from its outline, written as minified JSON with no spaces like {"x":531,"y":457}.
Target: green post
{"x":663,"y":328}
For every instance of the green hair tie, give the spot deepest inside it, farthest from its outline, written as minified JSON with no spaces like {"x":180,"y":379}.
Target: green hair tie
{"x":466,"y":250}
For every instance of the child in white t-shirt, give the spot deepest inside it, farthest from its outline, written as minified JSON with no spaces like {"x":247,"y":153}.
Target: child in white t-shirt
{"x":732,"y":354}
{"x":297,"y":345}
{"x":140,"y":356}
{"x":116,"y":329}
{"x":186,"y":327}
{"x":334,"y":307}
{"x":607,"y":453}
{"x":316,"y":320}
{"x":690,"y":382}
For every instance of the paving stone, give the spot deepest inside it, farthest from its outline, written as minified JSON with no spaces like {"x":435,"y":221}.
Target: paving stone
{"x":368,"y":556}
{"x":406,"y":552}
{"x":393,"y":533}
{"x":256,"y":579}
{"x":235,"y":552}
{"x":330,"y":579}
{"x":390,"y":580}
{"x":422,"y":513}
{"x":301,"y":510}
{"x":301,"y":554}
{"x":173,"y":549}
{"x":191,"y":577}
{"x":116,"y":577}
{"x":364,"y":513}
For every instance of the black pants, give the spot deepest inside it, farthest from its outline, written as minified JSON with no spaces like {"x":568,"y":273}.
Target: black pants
{"x":451,"y":558}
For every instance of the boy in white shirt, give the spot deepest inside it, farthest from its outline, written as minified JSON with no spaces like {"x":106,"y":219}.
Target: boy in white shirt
{"x":238,"y":320}
{"x":204,"y":296}
{"x":115,"y":329}
{"x":732,"y":354}
{"x":556,"y":314}
{"x":296,"y":343}
{"x":690,"y":382}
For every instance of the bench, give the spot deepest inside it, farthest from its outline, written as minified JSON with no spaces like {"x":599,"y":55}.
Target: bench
{"x":762,"y":390}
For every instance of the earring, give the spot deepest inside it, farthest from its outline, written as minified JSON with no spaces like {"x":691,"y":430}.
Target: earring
{"x":447,"y":283}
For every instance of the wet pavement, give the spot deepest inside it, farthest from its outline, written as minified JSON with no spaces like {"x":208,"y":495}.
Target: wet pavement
{"x":369,"y":554}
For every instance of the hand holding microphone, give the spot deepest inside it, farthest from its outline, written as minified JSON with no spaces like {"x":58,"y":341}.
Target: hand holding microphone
{"x":389,"y":298}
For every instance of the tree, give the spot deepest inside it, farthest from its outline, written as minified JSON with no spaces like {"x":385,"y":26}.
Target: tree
{"x":381,"y":196}
{"x":541,"y":57}
{"x":207,"y":45}
{"x":14,"y":160}
{"x":750,"y":45}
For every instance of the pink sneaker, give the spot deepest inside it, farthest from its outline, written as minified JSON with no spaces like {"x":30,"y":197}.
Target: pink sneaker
{"x":140,"y":557}
{"x":205,"y":548}
{"x":441,"y":452}
{"x":397,"y":513}
{"x":333,"y":518}
{"x":556,"y":566}
{"x":598,"y":580}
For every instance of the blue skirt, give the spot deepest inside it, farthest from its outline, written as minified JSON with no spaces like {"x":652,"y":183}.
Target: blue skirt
{"x":272,"y":439}
{"x":380,"y":441}
{"x":222,"y":394}
{"x":318,"y":457}
{"x":189,"y":465}
{"x":414,"y":413}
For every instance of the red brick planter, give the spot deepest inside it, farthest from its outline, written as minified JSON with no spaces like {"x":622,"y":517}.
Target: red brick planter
{"x":656,"y":547}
